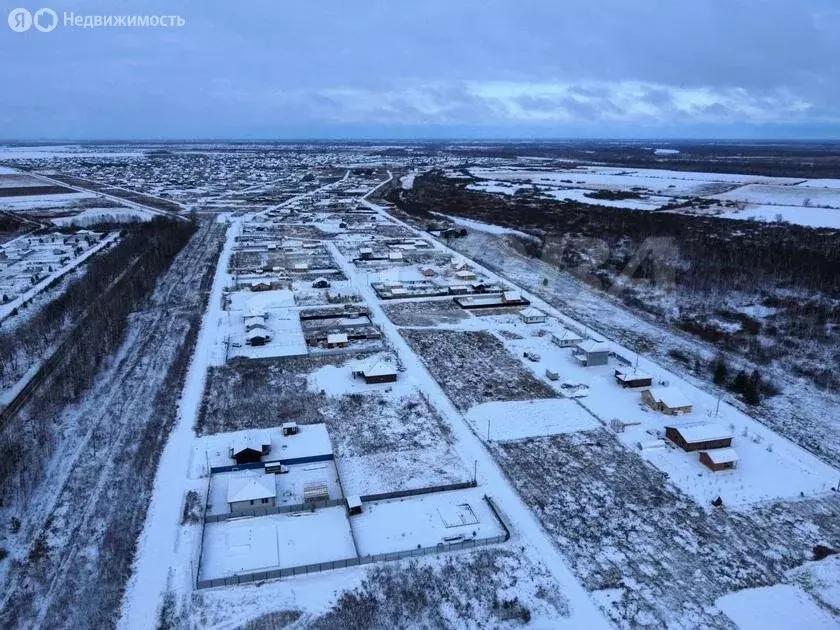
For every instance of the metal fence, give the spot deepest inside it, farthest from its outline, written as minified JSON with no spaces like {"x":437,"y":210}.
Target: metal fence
{"x":398,"y":494}
{"x":274,"y":509}
{"x":307,"y":569}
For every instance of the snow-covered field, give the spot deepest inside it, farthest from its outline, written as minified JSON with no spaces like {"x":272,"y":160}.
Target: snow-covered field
{"x":278,"y":541}
{"x":801,"y":195}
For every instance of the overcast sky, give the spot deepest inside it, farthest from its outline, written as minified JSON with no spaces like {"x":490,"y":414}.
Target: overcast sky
{"x":428,"y":68}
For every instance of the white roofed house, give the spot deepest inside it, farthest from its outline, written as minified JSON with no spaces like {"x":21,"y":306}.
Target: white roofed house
{"x":395,"y":256}
{"x":465,"y":275}
{"x":532,"y":315}
{"x":566,"y":338}
{"x":699,"y":436}
{"x":592,"y":352}
{"x":252,"y":493}
{"x":668,"y":400}
{"x":632,"y":378}
{"x":377,"y":371}
{"x":300,"y":267}
{"x":257,"y":335}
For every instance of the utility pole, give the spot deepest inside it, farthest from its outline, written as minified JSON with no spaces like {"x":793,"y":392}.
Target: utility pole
{"x":488,"y":429}
{"x":475,"y":472}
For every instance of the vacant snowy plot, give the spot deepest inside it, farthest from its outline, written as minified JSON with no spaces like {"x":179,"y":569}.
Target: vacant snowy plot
{"x":485,"y":589}
{"x":515,"y":420}
{"x":277,"y":541}
{"x":474,"y":367}
{"x":425,"y":312}
{"x":651,"y":556}
{"x":424,"y":521}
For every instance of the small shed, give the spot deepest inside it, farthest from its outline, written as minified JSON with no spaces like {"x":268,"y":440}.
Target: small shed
{"x":337,"y":340}
{"x":719,"y":459}
{"x":289,"y":428}
{"x":532,"y":315}
{"x":669,"y":400}
{"x":250,"y":494}
{"x":458,"y":289}
{"x":300,"y":267}
{"x":321,"y":283}
{"x":354,"y":505}
{"x":632,"y":378}
{"x":365,"y":253}
{"x":592,"y":352}
{"x":509,"y":297}
{"x":395,"y":256}
{"x":699,"y":436}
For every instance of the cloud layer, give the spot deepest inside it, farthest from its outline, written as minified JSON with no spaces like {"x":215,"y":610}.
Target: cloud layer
{"x":494,"y":67}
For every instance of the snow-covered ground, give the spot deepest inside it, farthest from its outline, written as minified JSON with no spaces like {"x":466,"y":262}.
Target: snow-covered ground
{"x":801,"y":195}
{"x":423,"y":521}
{"x":277,"y":541}
{"x":517,"y":420}
{"x":778,"y":607}
{"x":797,"y":215}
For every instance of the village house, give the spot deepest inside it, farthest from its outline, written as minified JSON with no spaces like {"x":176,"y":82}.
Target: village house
{"x":249,"y":448}
{"x":378,"y":371}
{"x":465,"y":275}
{"x":699,"y":436}
{"x":532,"y":315}
{"x":632,"y":378}
{"x":566,"y":339}
{"x":669,"y":400}
{"x":590,"y":353}
{"x":365,"y":253}
{"x":251,"y":494}
{"x":719,"y":459}
{"x":258,"y":335}
{"x":427,"y":271}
